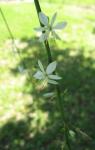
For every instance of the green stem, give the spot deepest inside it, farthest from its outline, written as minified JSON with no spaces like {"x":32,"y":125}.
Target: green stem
{"x":8,"y":28}
{"x":46,"y":43}
{"x":11,"y":36}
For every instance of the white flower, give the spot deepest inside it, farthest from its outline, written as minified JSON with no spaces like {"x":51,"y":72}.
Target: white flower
{"x":47,"y":75}
{"x":49,"y":27}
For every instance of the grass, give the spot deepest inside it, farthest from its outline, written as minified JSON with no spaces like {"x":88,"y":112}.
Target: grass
{"x":79,"y":2}
{"x":27,"y":120}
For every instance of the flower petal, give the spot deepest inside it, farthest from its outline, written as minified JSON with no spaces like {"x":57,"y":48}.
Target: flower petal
{"x":48,"y":94}
{"x":39,"y":75}
{"x":52,"y":82}
{"x":53,"y":18}
{"x":43,"y":18}
{"x":54,"y":77}
{"x":60,"y":25}
{"x":41,"y":66}
{"x":54,"y":34}
{"x":21,"y":69}
{"x":51,"y":67}
{"x":43,"y":37}
{"x":40,"y":29}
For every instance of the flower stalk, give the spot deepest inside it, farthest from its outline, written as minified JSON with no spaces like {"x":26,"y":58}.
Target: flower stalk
{"x":59,"y":99}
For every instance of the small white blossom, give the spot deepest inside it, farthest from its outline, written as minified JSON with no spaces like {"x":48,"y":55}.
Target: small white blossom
{"x":47,"y":75}
{"x":49,"y":27}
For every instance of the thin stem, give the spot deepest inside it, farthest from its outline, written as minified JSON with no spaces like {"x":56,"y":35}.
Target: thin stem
{"x":8,"y":28}
{"x":46,"y":43}
{"x":11,"y":36}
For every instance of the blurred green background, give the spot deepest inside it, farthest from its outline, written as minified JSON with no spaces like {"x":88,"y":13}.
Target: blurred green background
{"x":28,"y":121}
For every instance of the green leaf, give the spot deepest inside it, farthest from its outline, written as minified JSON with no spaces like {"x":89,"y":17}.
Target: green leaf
{"x":43,"y":18}
{"x":53,"y":19}
{"x":51,"y":67}
{"x":39,"y":75}
{"x":52,"y":82}
{"x":41,"y":66}
{"x":60,"y":25}
{"x":54,"y":77}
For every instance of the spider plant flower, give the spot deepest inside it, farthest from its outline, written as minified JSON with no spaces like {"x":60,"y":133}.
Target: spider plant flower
{"x":47,"y":75}
{"x":49,"y":27}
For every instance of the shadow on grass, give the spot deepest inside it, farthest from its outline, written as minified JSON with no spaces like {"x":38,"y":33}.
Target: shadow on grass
{"x":78,"y":78}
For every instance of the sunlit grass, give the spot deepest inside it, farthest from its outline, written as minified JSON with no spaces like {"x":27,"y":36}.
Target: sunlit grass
{"x":20,"y":99}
